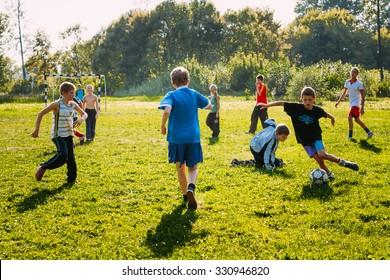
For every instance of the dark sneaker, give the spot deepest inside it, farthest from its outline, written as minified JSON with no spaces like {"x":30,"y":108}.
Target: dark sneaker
{"x":185,"y":198}
{"x":348,"y":164}
{"x":40,"y":172}
{"x":192,"y":204}
{"x":331,"y":176}
{"x":82,"y":140}
{"x":234,"y":162}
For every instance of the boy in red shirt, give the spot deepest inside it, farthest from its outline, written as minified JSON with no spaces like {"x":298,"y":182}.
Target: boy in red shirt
{"x":261,"y":97}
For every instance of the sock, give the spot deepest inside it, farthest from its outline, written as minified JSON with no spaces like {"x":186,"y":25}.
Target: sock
{"x":191,"y":187}
{"x":341,"y":162}
{"x":367,"y":130}
{"x":350,"y":133}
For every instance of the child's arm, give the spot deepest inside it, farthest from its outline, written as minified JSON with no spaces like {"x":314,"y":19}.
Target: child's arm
{"x":84,"y":116}
{"x":341,"y":97}
{"x":271,"y":104}
{"x":51,"y":107}
{"x":363,"y":101}
{"x":164,"y":119}
{"x":96,"y":105}
{"x":332,"y":119}
{"x":218,"y":107}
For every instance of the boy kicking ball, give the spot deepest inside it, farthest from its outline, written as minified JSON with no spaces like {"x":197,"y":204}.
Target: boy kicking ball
{"x":307,"y":129}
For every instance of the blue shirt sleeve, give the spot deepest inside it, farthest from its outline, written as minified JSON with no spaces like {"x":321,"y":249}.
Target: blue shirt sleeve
{"x":202,"y":102}
{"x":166,"y":101}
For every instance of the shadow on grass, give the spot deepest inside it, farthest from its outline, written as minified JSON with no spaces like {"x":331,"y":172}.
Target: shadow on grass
{"x":173,"y":231}
{"x":321,"y":192}
{"x":40,"y":197}
{"x":370,"y":147}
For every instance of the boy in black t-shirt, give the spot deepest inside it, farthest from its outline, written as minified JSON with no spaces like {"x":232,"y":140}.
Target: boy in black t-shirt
{"x":307,"y":129}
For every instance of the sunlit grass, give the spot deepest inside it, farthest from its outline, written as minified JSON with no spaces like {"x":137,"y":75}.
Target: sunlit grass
{"x":127,"y":204}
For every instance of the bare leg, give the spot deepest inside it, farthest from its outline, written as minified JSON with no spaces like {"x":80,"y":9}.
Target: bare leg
{"x":181,"y":176}
{"x":321,"y":162}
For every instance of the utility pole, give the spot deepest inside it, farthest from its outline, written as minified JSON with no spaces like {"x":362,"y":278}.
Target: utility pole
{"x":379,"y":39}
{"x":19,"y":15}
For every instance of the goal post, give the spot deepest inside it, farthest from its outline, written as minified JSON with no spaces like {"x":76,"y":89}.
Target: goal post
{"x":79,"y":76}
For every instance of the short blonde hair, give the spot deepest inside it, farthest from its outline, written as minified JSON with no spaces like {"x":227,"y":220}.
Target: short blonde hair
{"x":213,"y":86}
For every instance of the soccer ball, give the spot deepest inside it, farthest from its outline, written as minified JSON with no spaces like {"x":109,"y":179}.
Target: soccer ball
{"x":318,"y":176}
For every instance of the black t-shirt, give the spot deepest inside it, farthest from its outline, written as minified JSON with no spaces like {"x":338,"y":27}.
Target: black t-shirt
{"x":306,"y":125}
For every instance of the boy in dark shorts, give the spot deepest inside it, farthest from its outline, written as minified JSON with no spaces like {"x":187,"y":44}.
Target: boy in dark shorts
{"x":181,"y":108}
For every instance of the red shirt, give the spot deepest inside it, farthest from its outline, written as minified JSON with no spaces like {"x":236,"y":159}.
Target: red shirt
{"x":261,"y":94}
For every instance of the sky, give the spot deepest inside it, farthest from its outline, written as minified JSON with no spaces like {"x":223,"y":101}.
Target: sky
{"x":55,"y":16}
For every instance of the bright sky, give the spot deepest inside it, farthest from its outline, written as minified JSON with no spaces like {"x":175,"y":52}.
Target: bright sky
{"x":55,"y":16}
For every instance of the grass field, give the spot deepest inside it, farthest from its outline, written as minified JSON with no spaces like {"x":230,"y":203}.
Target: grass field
{"x":127,"y":204}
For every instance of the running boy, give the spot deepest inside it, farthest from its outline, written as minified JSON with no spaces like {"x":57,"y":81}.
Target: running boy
{"x":212,"y":120}
{"x":181,"y":108}
{"x":308,"y":132}
{"x":354,"y":88}
{"x":62,"y":132}
{"x":91,"y":107}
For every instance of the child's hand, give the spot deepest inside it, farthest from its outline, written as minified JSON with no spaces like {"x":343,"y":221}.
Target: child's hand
{"x":163,"y":130}
{"x":262,"y":105}
{"x":77,"y":123}
{"x":35,"y":133}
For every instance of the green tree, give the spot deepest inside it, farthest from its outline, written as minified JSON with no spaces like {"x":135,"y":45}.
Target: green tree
{"x":330,"y":35}
{"x":252,"y":31}
{"x":5,"y":62}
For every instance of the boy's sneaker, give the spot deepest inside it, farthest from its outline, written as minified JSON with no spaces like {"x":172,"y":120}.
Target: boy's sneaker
{"x":40,"y":172}
{"x":82,"y":140}
{"x":348,"y":164}
{"x":234,"y":162}
{"x":370,"y":134}
{"x":192,"y":204}
{"x":331,"y":176}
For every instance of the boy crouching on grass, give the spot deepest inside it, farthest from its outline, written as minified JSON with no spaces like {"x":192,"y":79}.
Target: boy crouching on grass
{"x":62,"y":132}
{"x":181,"y":108}
{"x":264,"y":144}
{"x":307,"y":129}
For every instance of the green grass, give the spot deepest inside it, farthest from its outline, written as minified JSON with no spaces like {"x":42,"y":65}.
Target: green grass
{"x":127,"y":203}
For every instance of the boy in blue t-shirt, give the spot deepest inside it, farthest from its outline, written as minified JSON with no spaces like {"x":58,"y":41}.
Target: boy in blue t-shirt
{"x":181,"y":111}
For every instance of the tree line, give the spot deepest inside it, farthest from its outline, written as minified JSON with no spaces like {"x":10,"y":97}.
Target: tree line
{"x":229,"y":49}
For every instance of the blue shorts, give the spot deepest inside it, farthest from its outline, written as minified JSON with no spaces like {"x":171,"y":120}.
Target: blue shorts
{"x":312,"y":150}
{"x":190,"y":154}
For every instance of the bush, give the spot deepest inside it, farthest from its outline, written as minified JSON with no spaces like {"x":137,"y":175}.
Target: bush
{"x":21,"y":87}
{"x":327,"y":78}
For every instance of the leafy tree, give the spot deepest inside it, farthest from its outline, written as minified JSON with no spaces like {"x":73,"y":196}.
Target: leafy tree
{"x":330,"y":35}
{"x":121,"y":51}
{"x":41,"y":61}
{"x":363,"y":10}
{"x":252,"y":31}
{"x":73,"y":60}
{"x":5,"y":62}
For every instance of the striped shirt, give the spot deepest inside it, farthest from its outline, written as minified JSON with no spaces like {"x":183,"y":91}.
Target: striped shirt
{"x":62,"y":123}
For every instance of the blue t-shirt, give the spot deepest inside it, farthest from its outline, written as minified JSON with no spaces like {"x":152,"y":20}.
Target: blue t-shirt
{"x":183,"y":124}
